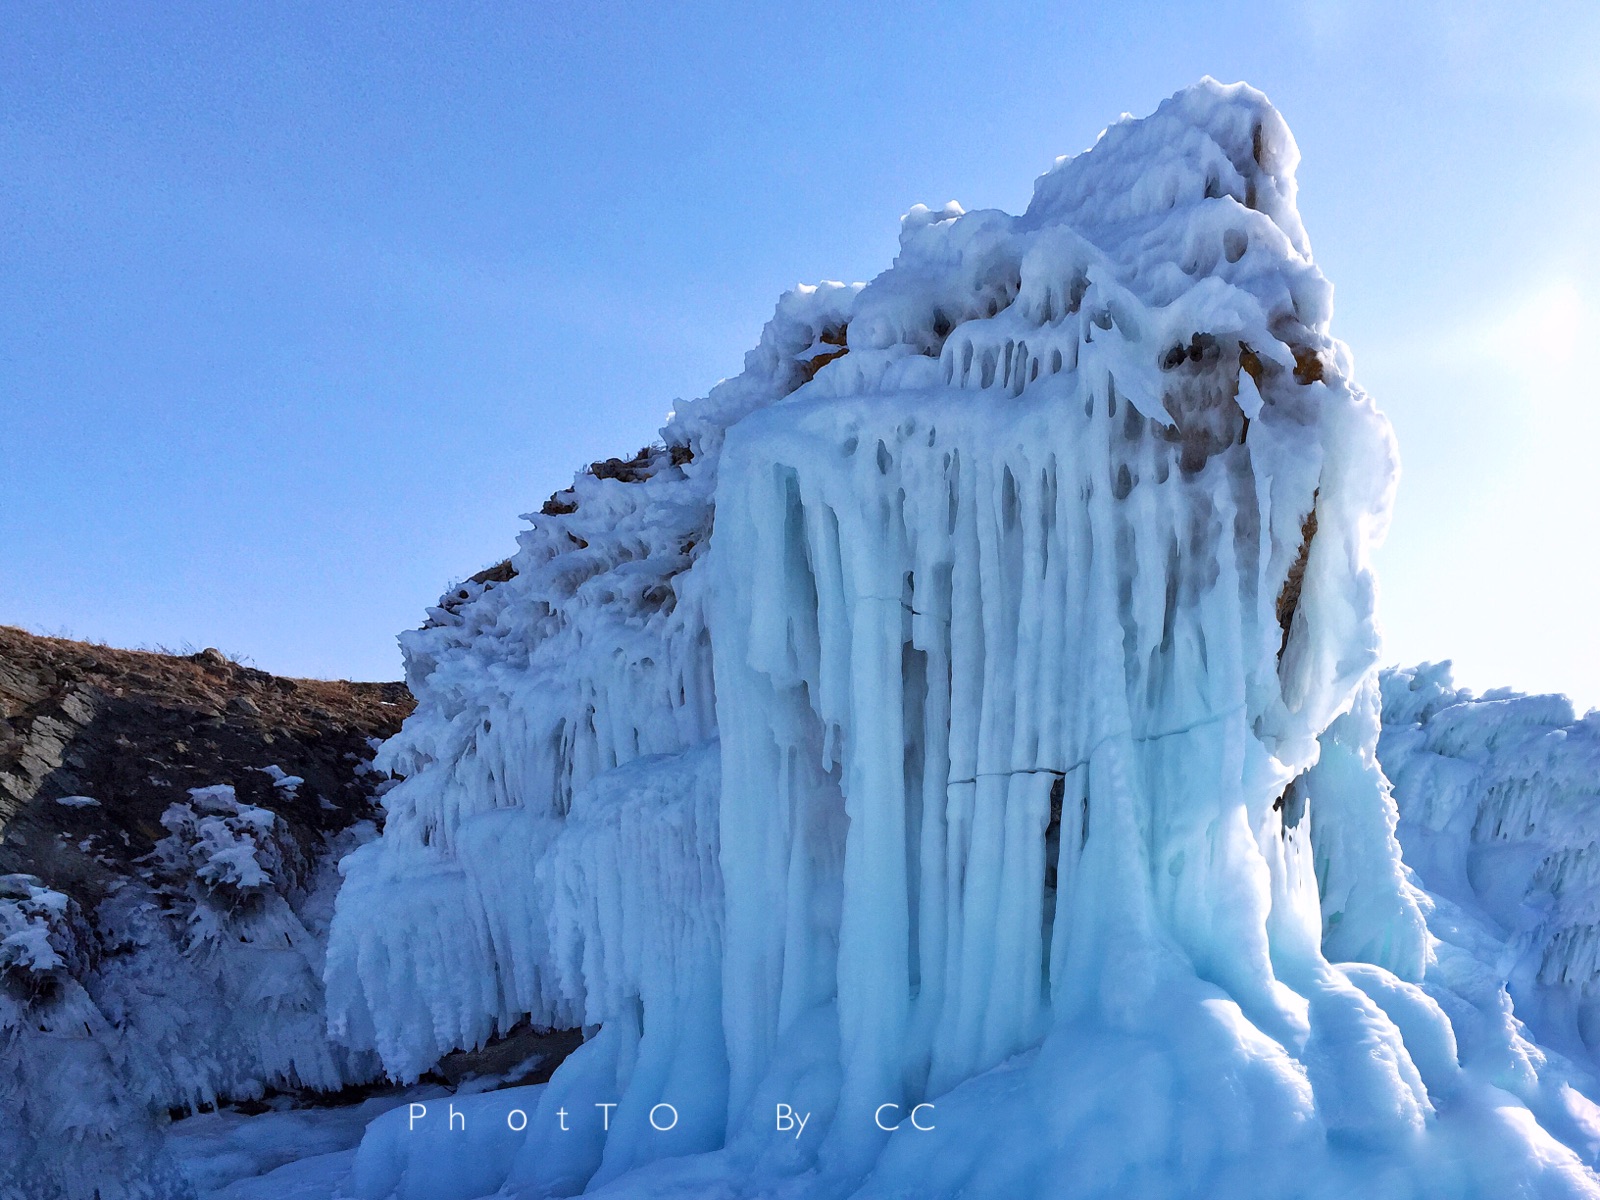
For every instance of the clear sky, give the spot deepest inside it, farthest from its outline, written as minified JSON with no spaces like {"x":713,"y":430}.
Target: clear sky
{"x":302,"y":305}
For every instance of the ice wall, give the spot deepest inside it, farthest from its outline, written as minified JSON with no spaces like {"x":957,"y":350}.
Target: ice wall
{"x":1030,"y":588}
{"x":1034,"y":650}
{"x":594,"y":651}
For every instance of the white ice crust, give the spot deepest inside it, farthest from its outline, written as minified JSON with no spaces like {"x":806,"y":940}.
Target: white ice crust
{"x":1009,"y":745}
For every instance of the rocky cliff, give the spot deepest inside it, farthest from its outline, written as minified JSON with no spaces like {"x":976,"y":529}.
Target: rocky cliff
{"x":172,"y":827}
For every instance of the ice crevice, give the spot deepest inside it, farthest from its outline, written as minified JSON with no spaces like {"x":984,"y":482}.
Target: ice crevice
{"x":773,"y":799}
{"x":1083,"y":762}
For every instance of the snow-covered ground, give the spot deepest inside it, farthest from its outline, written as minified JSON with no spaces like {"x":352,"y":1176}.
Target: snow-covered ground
{"x":285,"y":1154}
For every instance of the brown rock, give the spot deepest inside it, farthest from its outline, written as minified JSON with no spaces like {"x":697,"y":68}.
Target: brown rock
{"x":135,"y":729}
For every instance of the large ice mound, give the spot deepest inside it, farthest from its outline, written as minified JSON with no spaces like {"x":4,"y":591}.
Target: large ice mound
{"x":1008,"y":747}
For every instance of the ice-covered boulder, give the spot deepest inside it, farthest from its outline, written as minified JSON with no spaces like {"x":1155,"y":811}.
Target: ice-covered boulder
{"x":1008,"y":747}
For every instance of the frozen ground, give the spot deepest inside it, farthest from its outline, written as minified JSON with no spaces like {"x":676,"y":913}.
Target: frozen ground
{"x":289,"y":1154}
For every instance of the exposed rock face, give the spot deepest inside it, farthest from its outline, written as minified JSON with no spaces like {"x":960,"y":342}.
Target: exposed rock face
{"x":135,"y":730}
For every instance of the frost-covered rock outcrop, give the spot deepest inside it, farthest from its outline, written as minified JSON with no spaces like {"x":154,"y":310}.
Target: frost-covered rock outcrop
{"x":72,"y":1127}
{"x":197,"y":984}
{"x":161,"y":941}
{"x":1009,"y":746}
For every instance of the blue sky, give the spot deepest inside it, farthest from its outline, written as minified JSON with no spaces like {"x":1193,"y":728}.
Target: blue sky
{"x":301,"y":305}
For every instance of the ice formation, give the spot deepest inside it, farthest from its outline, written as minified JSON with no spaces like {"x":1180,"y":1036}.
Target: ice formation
{"x":1009,"y":746}
{"x":1499,"y":801}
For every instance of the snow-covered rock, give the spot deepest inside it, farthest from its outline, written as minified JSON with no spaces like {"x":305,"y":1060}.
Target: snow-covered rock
{"x":1008,"y":747}
{"x":74,"y":1127}
{"x":201,"y":984}
{"x":161,"y":933}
